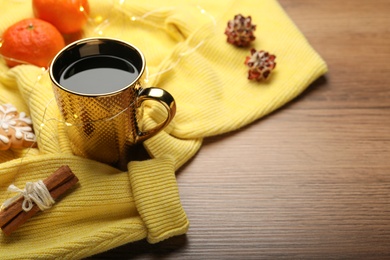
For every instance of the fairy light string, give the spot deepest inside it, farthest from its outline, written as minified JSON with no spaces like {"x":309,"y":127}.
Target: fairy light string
{"x":100,"y":23}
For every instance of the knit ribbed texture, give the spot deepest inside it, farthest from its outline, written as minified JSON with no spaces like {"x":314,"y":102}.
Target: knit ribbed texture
{"x":187,"y":54}
{"x":156,"y":201}
{"x":98,"y":214}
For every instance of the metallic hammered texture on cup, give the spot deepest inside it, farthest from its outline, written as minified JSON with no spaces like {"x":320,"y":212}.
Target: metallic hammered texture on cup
{"x":106,"y":125}
{"x":102,"y":127}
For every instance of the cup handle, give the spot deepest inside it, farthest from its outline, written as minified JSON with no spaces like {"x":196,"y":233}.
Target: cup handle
{"x":164,"y":98}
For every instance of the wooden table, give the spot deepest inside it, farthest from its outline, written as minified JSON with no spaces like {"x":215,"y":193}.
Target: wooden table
{"x":312,"y":180}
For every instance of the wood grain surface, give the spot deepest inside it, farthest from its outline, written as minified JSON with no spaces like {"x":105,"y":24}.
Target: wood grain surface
{"x":312,"y":180}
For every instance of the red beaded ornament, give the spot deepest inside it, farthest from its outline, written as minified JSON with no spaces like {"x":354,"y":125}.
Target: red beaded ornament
{"x":260,"y":64}
{"x":240,"y":31}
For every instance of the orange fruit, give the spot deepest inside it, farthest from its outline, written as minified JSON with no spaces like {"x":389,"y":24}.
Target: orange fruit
{"x":68,"y":16}
{"x":31,"y":41}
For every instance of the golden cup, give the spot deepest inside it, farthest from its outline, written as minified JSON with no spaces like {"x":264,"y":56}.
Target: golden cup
{"x":97,"y":84}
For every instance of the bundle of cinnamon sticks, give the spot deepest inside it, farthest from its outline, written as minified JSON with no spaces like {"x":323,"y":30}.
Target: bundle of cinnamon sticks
{"x":57,"y":184}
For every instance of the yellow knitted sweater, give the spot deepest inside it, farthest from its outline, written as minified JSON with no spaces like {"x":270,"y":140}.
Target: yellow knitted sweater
{"x":187,"y":54}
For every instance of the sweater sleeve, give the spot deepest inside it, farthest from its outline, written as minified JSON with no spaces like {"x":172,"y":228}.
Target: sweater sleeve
{"x":157,"y":198}
{"x":186,"y":54}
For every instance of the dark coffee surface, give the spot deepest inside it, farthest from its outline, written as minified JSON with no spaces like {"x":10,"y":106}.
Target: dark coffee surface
{"x":100,"y":74}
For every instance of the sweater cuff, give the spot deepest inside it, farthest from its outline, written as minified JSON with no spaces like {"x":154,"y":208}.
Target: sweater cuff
{"x":156,"y":197}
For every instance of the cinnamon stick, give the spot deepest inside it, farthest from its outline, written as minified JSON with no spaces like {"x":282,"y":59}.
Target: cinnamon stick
{"x":57,"y":178}
{"x":58,"y":183}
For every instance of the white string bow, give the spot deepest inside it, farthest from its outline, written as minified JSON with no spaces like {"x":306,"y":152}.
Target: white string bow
{"x":36,"y":192}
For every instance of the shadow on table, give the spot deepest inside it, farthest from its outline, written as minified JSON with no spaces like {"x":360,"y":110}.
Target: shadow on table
{"x":141,"y":249}
{"x":170,"y":247}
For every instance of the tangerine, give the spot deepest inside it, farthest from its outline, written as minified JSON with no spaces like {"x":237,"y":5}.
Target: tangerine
{"x":31,"y":41}
{"x":68,"y":16}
